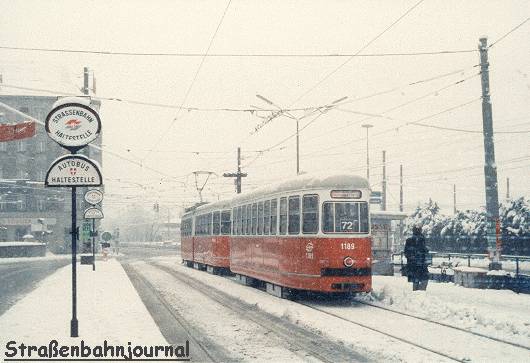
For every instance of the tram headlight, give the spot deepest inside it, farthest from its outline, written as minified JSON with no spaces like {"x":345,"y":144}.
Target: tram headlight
{"x":348,"y":261}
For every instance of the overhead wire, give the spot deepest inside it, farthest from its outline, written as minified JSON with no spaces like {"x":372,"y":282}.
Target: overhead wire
{"x":166,"y":130}
{"x":509,"y":32}
{"x":239,"y":55}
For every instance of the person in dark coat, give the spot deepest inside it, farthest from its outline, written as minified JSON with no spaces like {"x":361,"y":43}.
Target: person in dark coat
{"x":416,"y":253}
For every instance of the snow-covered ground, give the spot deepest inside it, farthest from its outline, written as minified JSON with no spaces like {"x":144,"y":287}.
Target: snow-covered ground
{"x":498,"y":313}
{"x":108,"y":309}
{"x":503,"y":314}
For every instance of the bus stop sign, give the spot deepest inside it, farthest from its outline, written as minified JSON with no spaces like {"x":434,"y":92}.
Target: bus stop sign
{"x":106,"y":236}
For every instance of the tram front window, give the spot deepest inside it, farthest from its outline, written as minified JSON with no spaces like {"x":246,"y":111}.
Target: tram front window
{"x":344,"y":217}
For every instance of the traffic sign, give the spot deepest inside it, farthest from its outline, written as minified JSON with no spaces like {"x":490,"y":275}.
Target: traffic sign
{"x":106,"y":236}
{"x":73,"y":125}
{"x":93,"y":213}
{"x":93,"y":196}
{"x":74,"y":170}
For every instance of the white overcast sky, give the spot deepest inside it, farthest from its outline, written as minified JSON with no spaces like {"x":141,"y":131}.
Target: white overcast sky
{"x":433,"y":159}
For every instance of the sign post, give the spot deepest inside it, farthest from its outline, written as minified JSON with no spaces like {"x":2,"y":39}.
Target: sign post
{"x":93,"y":196}
{"x":73,"y":126}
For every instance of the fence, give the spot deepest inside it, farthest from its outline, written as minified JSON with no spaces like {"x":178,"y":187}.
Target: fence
{"x":469,"y":256}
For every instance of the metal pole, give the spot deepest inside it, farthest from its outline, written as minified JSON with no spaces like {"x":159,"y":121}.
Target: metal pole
{"x":93,"y":245}
{"x":367,"y":157}
{"x":85,"y":81}
{"x":454,"y":198}
{"x":383,"y":201}
{"x":401,"y":188}
{"x":238,"y":179}
{"x":490,"y":169}
{"x":74,"y":326}
{"x":367,"y":126}
{"x":297,"y":149}
{"x":507,"y":190}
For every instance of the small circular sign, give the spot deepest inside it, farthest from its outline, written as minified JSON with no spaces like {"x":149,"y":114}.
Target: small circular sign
{"x":73,"y":125}
{"x":93,"y":196}
{"x":106,"y":236}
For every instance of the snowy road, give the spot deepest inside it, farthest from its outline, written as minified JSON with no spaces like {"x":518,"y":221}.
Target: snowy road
{"x":231,"y":322}
{"x":20,"y":277}
{"x":229,"y":329}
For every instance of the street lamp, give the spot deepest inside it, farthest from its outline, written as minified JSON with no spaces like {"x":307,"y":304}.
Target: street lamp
{"x":367,"y":126}
{"x":288,"y":114}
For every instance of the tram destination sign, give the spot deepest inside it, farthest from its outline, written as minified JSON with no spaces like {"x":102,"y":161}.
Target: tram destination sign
{"x":93,"y":196}
{"x":93,"y":213}
{"x":73,"y":171}
{"x":73,"y":125}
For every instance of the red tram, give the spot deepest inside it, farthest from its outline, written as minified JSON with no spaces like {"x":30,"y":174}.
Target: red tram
{"x":307,"y":233}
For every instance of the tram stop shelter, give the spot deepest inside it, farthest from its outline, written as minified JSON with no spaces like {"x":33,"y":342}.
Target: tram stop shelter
{"x":385,"y":235}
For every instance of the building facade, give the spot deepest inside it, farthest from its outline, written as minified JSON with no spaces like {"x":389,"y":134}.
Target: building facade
{"x":26,"y":206}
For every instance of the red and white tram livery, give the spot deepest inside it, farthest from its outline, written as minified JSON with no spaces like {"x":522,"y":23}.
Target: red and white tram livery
{"x":308,"y":233}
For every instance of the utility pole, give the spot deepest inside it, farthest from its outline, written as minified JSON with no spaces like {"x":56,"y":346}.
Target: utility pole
{"x":238,"y":175}
{"x":401,"y":187}
{"x":383,"y":199}
{"x":86,"y":90}
{"x":454,"y":198}
{"x":297,"y":147}
{"x":507,"y":190}
{"x":490,"y":168}
{"x":367,"y":126}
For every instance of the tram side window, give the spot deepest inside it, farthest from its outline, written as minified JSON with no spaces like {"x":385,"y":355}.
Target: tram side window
{"x":254,"y":218}
{"x":249,"y":219}
{"x":244,"y":216}
{"x":274,"y":215}
{"x":283,"y":215}
{"x":209,"y":224}
{"x":216,"y":220}
{"x":294,"y":215}
{"x":310,"y":214}
{"x":238,"y":220}
{"x":260,"y":218}
{"x":225,"y":222}
{"x":234,"y":211}
{"x":266,"y":217}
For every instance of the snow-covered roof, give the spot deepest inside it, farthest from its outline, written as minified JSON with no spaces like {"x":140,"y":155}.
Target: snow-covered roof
{"x":300,"y":183}
{"x":307,"y":182}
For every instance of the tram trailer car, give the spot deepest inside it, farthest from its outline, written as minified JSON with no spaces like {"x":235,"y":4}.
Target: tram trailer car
{"x":309,"y":233}
{"x":205,"y":237}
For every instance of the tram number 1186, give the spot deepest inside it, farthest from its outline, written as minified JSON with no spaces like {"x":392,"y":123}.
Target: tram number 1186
{"x":347,"y":246}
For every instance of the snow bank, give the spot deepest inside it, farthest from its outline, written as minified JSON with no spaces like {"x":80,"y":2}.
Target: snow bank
{"x":48,"y":257}
{"x":108,"y":309}
{"x":497,"y":313}
{"x":10,"y":244}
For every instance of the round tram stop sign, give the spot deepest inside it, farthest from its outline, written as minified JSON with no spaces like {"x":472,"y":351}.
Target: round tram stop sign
{"x":73,"y":125}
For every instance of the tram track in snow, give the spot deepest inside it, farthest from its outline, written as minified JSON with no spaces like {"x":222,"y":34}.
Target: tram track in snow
{"x":312,"y":344}
{"x":442,"y":324}
{"x":445,"y":353}
{"x":393,"y":336}
{"x":207,"y":349}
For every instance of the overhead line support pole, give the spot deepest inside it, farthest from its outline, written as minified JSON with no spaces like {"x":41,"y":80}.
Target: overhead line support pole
{"x":238,"y":175}
{"x":490,"y":168}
